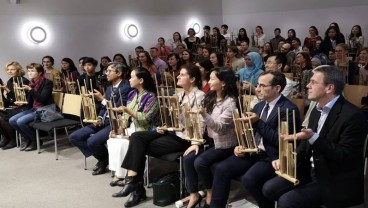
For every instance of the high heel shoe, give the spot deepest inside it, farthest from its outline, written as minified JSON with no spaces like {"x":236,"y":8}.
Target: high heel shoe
{"x":198,"y":202}
{"x":137,"y":196}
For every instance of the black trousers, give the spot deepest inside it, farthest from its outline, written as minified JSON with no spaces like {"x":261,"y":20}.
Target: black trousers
{"x":150,"y":143}
{"x":199,"y":166}
{"x":254,"y":170}
{"x":7,"y":131}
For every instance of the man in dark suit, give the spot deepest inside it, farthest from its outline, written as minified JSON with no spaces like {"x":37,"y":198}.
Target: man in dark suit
{"x":330,"y":156}
{"x":256,"y":168}
{"x":94,"y":145}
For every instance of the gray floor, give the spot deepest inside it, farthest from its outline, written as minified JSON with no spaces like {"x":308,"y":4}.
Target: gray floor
{"x":31,"y":180}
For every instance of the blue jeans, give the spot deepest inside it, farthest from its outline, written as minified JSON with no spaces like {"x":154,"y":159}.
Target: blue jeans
{"x":92,"y":145}
{"x":21,"y":122}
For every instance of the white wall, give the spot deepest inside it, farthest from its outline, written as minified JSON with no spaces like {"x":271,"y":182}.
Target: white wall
{"x":94,"y":27}
{"x":296,"y":14}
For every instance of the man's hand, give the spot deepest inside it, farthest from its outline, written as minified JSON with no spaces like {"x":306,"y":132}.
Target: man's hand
{"x":304,"y":134}
{"x":160,"y":130}
{"x":253,"y":117}
{"x":98,"y":95}
{"x":99,"y":122}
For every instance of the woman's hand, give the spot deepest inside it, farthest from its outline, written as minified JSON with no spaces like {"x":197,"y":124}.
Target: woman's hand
{"x":276,"y":164}
{"x":27,"y":88}
{"x":160,"y":130}
{"x":238,"y":152}
{"x":192,"y":148}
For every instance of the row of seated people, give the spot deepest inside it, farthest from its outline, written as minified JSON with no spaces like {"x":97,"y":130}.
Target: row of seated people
{"x":35,"y":73}
{"x":336,"y":153}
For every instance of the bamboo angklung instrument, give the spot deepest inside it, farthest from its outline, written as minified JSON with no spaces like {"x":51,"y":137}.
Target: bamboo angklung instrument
{"x":117,"y":125}
{"x":192,"y":123}
{"x":69,"y":84}
{"x":20,"y":94}
{"x":169,"y":108}
{"x":244,"y":131}
{"x":287,"y":150}
{"x":57,"y":86}
{"x":88,"y":103}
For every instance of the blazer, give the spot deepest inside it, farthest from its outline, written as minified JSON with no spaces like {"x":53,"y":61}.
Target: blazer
{"x":269,"y":129}
{"x":118,"y":97}
{"x":338,"y":154}
{"x":43,"y":95}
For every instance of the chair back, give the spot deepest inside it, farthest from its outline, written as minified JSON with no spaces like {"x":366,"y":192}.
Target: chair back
{"x":289,"y":75}
{"x":354,"y":93}
{"x":58,"y":98}
{"x":300,"y":103}
{"x":72,"y":104}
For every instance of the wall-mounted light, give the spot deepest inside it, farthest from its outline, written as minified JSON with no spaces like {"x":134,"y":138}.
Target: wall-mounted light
{"x":37,"y":34}
{"x":131,"y":30}
{"x":196,"y":27}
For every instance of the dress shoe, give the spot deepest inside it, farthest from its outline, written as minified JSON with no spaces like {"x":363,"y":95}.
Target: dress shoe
{"x":24,"y":145}
{"x":10,"y":145}
{"x":33,"y":146}
{"x":137,"y":196}
{"x":117,"y":182}
{"x":4,"y":142}
{"x":101,"y":168}
{"x":98,"y":164}
{"x":130,"y":186}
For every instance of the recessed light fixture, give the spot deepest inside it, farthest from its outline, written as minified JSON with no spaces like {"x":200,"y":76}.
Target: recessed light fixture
{"x":37,"y":34}
{"x":131,"y":30}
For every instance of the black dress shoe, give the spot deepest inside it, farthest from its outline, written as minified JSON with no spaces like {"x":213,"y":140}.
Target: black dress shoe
{"x":24,"y":145}
{"x":10,"y":145}
{"x":117,"y":182}
{"x":136,"y":197}
{"x":98,"y":164}
{"x":31,"y":147}
{"x":130,"y":186}
{"x":4,"y":142}
{"x":101,"y":169}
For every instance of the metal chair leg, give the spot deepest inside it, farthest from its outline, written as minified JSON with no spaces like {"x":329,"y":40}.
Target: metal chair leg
{"x":85,"y":163}
{"x":38,"y":141}
{"x":56,"y":150}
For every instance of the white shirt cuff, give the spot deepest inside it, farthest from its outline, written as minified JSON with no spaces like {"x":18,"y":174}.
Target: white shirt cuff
{"x":313,"y":138}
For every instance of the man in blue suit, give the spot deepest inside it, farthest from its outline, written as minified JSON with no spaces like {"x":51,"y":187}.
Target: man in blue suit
{"x":256,"y":168}
{"x":94,"y":145}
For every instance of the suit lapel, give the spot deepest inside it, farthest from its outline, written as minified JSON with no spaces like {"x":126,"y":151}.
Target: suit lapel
{"x":332,"y":117}
{"x":279,"y":104}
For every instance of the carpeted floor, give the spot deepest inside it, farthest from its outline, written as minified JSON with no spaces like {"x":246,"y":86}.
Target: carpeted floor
{"x":32,"y":180}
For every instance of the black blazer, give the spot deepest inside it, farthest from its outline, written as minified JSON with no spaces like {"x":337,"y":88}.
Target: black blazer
{"x":338,"y":154}
{"x":43,"y":95}
{"x":269,"y":129}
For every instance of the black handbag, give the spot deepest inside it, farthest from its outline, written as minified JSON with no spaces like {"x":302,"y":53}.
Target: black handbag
{"x":167,"y":189}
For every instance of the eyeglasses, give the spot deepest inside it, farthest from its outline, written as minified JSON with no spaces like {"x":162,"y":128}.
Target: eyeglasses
{"x":109,"y":71}
{"x":262,"y":86}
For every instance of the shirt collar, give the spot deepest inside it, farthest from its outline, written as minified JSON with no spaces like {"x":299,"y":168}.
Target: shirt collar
{"x":273,"y":102}
{"x":328,"y":106}
{"x":117,"y":85}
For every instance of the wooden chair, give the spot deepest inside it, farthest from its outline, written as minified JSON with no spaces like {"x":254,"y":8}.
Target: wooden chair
{"x":289,"y":75}
{"x":354,"y":93}
{"x":71,"y":106}
{"x":300,"y":103}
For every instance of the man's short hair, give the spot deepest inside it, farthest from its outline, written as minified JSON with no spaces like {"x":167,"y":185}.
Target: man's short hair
{"x":332,"y":75}
{"x":280,"y":59}
{"x":278,"y":79}
{"x":277,"y":29}
{"x":225,"y":26}
{"x":206,"y":27}
{"x":90,"y":60}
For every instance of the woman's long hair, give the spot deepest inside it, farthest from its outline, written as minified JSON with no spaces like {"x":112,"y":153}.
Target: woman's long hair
{"x":148,"y":83}
{"x":229,"y":90}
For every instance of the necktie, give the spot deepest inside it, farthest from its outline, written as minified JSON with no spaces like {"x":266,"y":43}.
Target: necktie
{"x":263,"y":118}
{"x":265,"y":113}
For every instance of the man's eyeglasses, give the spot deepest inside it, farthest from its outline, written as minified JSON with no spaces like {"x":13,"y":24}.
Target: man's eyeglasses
{"x":262,"y":86}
